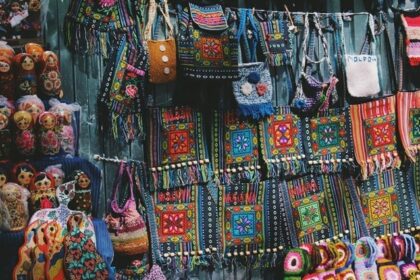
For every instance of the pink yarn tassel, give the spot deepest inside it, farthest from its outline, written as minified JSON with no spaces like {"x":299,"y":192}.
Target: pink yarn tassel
{"x":155,"y":273}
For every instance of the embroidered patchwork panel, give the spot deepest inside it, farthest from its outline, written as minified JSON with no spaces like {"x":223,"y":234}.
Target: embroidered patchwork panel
{"x":381,"y":135}
{"x":415,"y":126}
{"x":281,"y":143}
{"x":235,"y":148}
{"x":177,"y":148}
{"x":186,"y":219}
{"x":389,"y":202}
{"x":253,"y":217}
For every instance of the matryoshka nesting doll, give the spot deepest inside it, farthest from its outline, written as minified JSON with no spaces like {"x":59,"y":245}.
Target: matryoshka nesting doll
{"x":26,"y":81}
{"x":43,"y":192}
{"x":49,"y":143}
{"x":7,"y":83}
{"x":6,"y":107}
{"x":3,"y":177}
{"x":5,"y":137}
{"x":22,"y":174}
{"x":31,"y":104}
{"x":24,"y":135}
{"x":15,"y":198}
{"x":82,"y":201}
{"x":50,"y":77}
{"x":35,"y":50}
{"x":64,"y":113}
{"x":57,"y":173}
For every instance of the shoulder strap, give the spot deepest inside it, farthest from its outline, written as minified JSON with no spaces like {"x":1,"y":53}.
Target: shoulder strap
{"x":153,"y":7}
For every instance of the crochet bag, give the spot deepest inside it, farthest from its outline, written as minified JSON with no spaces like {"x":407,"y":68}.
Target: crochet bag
{"x":408,"y":109}
{"x":387,"y":269}
{"x":126,"y":227}
{"x":162,"y":53}
{"x":207,"y":43}
{"x":178,"y":152}
{"x":366,"y":253}
{"x":374,"y":135}
{"x":281,"y":141}
{"x":358,"y":67}
{"x":312,"y":94}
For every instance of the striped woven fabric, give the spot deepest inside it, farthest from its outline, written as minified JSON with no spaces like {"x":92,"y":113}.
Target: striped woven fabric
{"x":408,"y":108}
{"x":412,"y":31}
{"x":210,"y":18}
{"x":374,"y":135}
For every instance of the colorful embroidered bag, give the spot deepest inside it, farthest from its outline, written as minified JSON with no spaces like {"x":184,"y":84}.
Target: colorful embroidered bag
{"x":311,"y":94}
{"x":366,"y":252}
{"x":162,"y":53}
{"x":387,"y":269}
{"x":405,"y":244}
{"x":281,"y":143}
{"x":178,"y":153}
{"x":358,"y":67}
{"x":122,"y":92}
{"x":389,"y":203}
{"x":408,"y":109}
{"x":126,"y":227}
{"x":235,"y":149}
{"x":207,"y":43}
{"x":81,"y":260}
{"x":411,"y":25}
{"x":297,"y":263}
{"x":345,"y":258}
{"x":254,"y":222}
{"x":374,"y":135}
{"x":329,"y":144}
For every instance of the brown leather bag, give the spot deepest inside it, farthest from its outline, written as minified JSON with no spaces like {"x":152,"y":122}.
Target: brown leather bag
{"x":162,"y":53}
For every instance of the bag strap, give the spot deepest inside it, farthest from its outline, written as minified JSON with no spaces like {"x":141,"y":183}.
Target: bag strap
{"x":248,"y":45}
{"x":152,"y":14}
{"x":124,"y":168}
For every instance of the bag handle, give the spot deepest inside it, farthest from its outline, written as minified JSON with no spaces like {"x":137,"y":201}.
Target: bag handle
{"x":124,"y":168}
{"x":248,"y":45}
{"x":152,"y":14}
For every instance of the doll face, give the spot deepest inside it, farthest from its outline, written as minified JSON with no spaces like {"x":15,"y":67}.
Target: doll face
{"x":10,"y":193}
{"x":4,"y":67}
{"x":5,"y":111}
{"x":4,"y":121}
{"x":23,"y":120}
{"x":43,"y":183}
{"x":28,"y":63}
{"x":34,"y":5}
{"x":48,"y":120}
{"x":3,"y":179}
{"x":24,"y":177}
{"x":15,"y":7}
{"x":34,"y":110}
{"x":51,"y":61}
{"x":83,"y":181}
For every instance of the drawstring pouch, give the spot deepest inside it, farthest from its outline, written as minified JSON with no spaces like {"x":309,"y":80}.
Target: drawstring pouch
{"x":360,"y":66}
{"x":162,"y":53}
{"x":311,"y":94}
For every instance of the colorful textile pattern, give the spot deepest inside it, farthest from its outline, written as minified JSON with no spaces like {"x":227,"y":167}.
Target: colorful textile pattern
{"x":416,"y":178}
{"x":178,"y":152}
{"x":408,"y":109}
{"x":207,"y":49}
{"x":235,"y":148}
{"x":253,"y":218}
{"x":254,"y":91}
{"x":389,"y":203}
{"x":374,"y":135}
{"x":328,"y":141}
{"x":411,"y":25}
{"x":281,"y":143}
{"x":320,"y":207}
{"x":186,"y":220}
{"x":276,"y":41}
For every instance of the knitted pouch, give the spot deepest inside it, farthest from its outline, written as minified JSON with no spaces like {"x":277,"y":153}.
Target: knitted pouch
{"x":389,"y":203}
{"x":281,"y":143}
{"x":412,"y":30}
{"x":358,"y":67}
{"x":178,"y":152}
{"x":387,"y":269}
{"x":328,"y":141}
{"x":235,"y":149}
{"x":276,"y":39}
{"x":374,"y":135}
{"x":408,"y":109}
{"x":162,"y":53}
{"x":345,"y":259}
{"x":254,"y":91}
{"x":321,"y":207}
{"x":366,"y":252}
{"x":296,"y":264}
{"x":207,"y":43}
{"x":254,"y":222}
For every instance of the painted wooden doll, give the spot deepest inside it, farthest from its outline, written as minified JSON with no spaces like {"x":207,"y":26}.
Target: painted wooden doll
{"x":48,"y":139}
{"x":15,"y":199}
{"x":6,"y":107}
{"x":4,"y":22}
{"x":22,"y":174}
{"x":7,"y":85}
{"x":31,"y":104}
{"x":57,"y":173}
{"x":26,"y":82}
{"x":50,"y":76}
{"x":3,"y":177}
{"x":35,"y":50}
{"x":65,"y":130}
{"x":43,"y":193}
{"x":25,"y":138}
{"x":16,"y":15}
{"x":82,"y":200}
{"x":5,"y":138}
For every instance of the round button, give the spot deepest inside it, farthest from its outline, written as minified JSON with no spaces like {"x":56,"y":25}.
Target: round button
{"x":165,"y":58}
{"x":162,"y":48}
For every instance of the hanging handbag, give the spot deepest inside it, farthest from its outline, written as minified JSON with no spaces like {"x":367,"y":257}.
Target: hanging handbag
{"x":362,"y":72}
{"x":126,"y":227}
{"x":411,"y":24}
{"x":312,"y":94}
{"x":207,"y":43}
{"x":162,"y":53}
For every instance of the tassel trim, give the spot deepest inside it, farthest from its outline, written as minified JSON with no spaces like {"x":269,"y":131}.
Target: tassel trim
{"x":180,"y":174}
{"x":379,"y":163}
{"x":287,"y":166}
{"x":256,"y":111}
{"x":333,"y":165}
{"x":240,"y":173}
{"x":412,"y":152}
